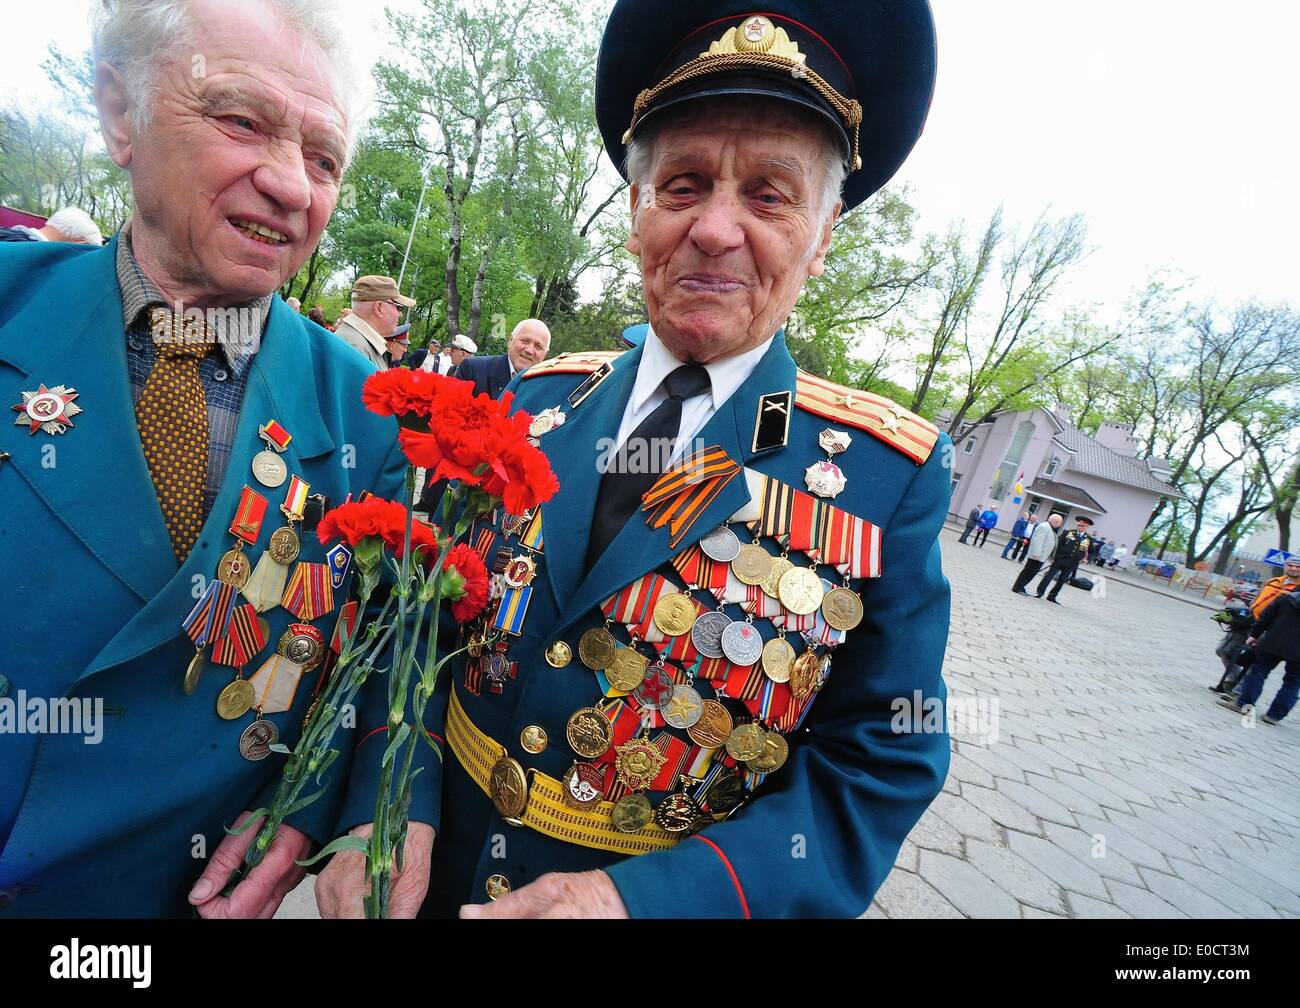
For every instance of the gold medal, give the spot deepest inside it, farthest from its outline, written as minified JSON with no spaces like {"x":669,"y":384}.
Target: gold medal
{"x":236,"y":700}
{"x":772,"y":583}
{"x":284,"y":546}
{"x":233,"y":568}
{"x":627,"y":671}
{"x":588,"y":733}
{"x":746,"y":742}
{"x":496,"y":887}
{"x":803,"y":675}
{"x":842,"y":609}
{"x":801,"y":590}
{"x":674,"y":614}
{"x":775,"y":752}
{"x":559,"y":654}
{"x":508,"y":786}
{"x":679,"y":813}
{"x":533,"y":739}
{"x":753,"y":564}
{"x":193,"y":673}
{"x":632,"y":813}
{"x":638,"y":763}
{"x":713,"y":727}
{"x":596,"y":648}
{"x":778,"y":657}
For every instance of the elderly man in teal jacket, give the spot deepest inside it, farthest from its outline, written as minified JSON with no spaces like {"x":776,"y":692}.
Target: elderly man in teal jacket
{"x":709,"y":685}
{"x":171,"y":416}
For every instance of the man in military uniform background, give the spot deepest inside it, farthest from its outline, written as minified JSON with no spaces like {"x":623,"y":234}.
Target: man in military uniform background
{"x":1071,"y":550}
{"x":680,"y":704}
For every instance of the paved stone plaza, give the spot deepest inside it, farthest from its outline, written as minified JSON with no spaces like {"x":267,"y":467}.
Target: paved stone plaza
{"x":1108,"y":743}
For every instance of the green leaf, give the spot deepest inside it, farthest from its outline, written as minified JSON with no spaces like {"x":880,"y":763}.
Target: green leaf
{"x":343,"y":843}
{"x":395,"y":743}
{"x":243,"y":827}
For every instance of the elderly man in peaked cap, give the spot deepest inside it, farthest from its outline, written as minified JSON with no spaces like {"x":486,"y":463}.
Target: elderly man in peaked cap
{"x":191,"y":453}
{"x":691,"y":697}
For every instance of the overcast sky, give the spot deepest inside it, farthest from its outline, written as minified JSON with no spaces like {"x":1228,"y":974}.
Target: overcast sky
{"x":1170,"y":124}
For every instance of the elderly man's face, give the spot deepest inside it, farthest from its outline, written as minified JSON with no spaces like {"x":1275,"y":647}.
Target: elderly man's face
{"x":528,"y":346}
{"x":725,"y":228}
{"x":255,"y":143}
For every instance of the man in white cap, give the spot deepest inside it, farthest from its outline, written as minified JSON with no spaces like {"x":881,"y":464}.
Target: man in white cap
{"x":67,"y":225}
{"x":376,"y":313}
{"x":458,"y":349}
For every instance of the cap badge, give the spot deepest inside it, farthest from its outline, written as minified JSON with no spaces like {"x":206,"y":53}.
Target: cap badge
{"x":756,"y":35}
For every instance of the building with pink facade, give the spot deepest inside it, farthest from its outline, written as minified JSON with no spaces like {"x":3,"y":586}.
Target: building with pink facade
{"x":1036,"y":461}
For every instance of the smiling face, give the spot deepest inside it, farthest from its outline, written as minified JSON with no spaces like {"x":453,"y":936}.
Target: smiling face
{"x":723,"y":223}
{"x":238,"y":172}
{"x":528,"y":344}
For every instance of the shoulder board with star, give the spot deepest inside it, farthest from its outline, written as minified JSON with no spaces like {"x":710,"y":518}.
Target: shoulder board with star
{"x":878,"y":416}
{"x":583,"y":362}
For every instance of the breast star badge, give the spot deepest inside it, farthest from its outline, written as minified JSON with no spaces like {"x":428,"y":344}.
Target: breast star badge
{"x":47,"y":409}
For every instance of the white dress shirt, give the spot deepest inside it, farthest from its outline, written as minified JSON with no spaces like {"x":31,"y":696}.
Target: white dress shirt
{"x":657,"y":363}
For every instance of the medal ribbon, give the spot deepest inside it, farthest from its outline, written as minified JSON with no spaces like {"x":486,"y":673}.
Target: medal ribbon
{"x":244,"y":638}
{"x":683,"y":493}
{"x":696,"y":568}
{"x":486,"y":538}
{"x":210,"y":616}
{"x":837,"y":544}
{"x":532,"y":538}
{"x":864,"y":560}
{"x":803,"y":522}
{"x":634,"y":605}
{"x":275,"y":684}
{"x":763,"y":605}
{"x":249,"y":515}
{"x":512,"y":610}
{"x":276,"y":436}
{"x":777,"y":504}
{"x":713,"y":669}
{"x":674,"y":751}
{"x":346,"y":621}
{"x":310,"y":592}
{"x":295,"y":499}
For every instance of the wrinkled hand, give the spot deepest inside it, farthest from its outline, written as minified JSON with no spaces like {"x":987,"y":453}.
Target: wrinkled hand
{"x":1250,"y":642}
{"x":343,"y":884}
{"x":557,"y":896}
{"x":261,"y":891}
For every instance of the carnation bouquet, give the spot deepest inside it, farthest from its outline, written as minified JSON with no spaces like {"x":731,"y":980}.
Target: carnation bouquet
{"x":456,"y":435}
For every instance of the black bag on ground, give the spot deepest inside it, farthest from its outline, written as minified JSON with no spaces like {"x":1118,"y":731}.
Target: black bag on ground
{"x":1079,"y":581}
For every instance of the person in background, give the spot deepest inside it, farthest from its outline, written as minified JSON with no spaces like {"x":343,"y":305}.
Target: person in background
{"x":1072,"y":549}
{"x":1117,"y":558}
{"x":376,"y":312}
{"x":1105,"y":554}
{"x":397,"y":345}
{"x":988,"y":521}
{"x":1022,"y":547}
{"x":1275,"y":637}
{"x":67,"y":225}
{"x":1042,"y":545}
{"x":1018,"y":534}
{"x":460,"y":347}
{"x":317,"y":314}
{"x":1284,"y":584}
{"x":528,"y":345}
{"x":972,"y":520}
{"x":294,"y":303}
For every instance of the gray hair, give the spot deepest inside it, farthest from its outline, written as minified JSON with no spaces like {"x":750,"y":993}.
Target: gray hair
{"x":137,"y":37}
{"x":76,"y":223}
{"x":641,"y":155}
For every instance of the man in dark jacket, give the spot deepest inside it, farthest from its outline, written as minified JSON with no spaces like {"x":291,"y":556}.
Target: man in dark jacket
{"x":1276,"y":639}
{"x":972,"y":520}
{"x":529,"y":342}
{"x":1019,"y":532}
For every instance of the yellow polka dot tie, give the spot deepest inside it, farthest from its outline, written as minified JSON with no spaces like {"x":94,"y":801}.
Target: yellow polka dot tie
{"x":172,"y":414}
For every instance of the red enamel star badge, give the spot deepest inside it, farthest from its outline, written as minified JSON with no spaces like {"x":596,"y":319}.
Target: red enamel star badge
{"x":47,"y":409}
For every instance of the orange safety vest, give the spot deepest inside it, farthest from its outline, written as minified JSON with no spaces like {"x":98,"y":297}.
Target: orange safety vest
{"x":1271,"y":590}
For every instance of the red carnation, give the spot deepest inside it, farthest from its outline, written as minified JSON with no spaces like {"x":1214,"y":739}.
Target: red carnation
{"x":467,"y":566}
{"x":358,"y":520}
{"x":408,"y":394}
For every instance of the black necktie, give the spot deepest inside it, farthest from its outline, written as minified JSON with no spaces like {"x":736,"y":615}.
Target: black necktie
{"x":647,"y":448}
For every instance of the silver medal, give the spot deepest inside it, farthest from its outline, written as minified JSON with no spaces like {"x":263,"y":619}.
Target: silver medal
{"x":684,"y":708}
{"x":706,"y":634}
{"x":742,"y":644}
{"x":269,"y":469}
{"x":656,"y":689}
{"x":721,"y":544}
{"x":256,"y":741}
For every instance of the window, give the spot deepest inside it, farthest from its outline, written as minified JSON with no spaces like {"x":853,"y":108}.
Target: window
{"x":1034,"y":505}
{"x":956,"y":482}
{"x":1006,"y":473}
{"x":1050,"y":471}
{"x":970,"y":446}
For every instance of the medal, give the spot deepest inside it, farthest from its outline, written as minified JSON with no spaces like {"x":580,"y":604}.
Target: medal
{"x":801,"y":590}
{"x":338,"y":559}
{"x":746,"y":742}
{"x":804,"y":674}
{"x":741,"y":643}
{"x":684,"y":709}
{"x":596,"y":649}
{"x":713,"y":726}
{"x":546,"y":421}
{"x":193,"y":673}
{"x":825,"y":479}
{"x":533,"y":739}
{"x":721,"y":544}
{"x":632,"y":813}
{"x":583,"y":786}
{"x":520,"y":571}
{"x":752,"y":564}
{"x":775,"y":752}
{"x":310,"y":592}
{"x":508,"y":788}
{"x":772,"y":583}
{"x":559,"y":654}
{"x":638,"y":763}
{"x":655,"y":689}
{"x":589,"y":733}
{"x":268,"y":468}
{"x":256,"y":741}
{"x":233,"y":568}
{"x":303,"y":645}
{"x":235,"y":700}
{"x":679,"y":813}
{"x":627,"y":671}
{"x":778,"y":659}
{"x":496,"y":887}
{"x":706,"y":633}
{"x":842,"y":609}
{"x":724,"y":793}
{"x":47,"y":409}
{"x":284,"y":545}
{"x":674,"y":614}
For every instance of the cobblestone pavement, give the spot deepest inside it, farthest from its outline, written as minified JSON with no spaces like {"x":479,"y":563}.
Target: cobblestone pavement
{"x":1116,"y":787}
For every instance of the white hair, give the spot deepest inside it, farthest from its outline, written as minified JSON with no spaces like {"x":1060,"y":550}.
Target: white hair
{"x":76,"y":223}
{"x":138,"y":36}
{"x":641,"y":155}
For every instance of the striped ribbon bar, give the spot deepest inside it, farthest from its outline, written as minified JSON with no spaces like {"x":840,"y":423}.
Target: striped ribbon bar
{"x":777,"y":507}
{"x":864,"y":560}
{"x":675,"y":752}
{"x":702,"y":571}
{"x":295,"y":498}
{"x":343,"y":626}
{"x":512,"y":609}
{"x":244,"y":638}
{"x":249,"y":515}
{"x":274,"y":435}
{"x":309,"y":592}
{"x":210,"y":616}
{"x":634,"y":605}
{"x":683,"y":493}
{"x":483,"y":544}
{"x":532,"y":537}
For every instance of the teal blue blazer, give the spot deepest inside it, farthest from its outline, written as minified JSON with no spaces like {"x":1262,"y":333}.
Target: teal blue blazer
{"x":93,"y":600}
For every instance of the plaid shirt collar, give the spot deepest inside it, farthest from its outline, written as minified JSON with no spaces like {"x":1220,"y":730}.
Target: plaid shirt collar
{"x":139,"y":293}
